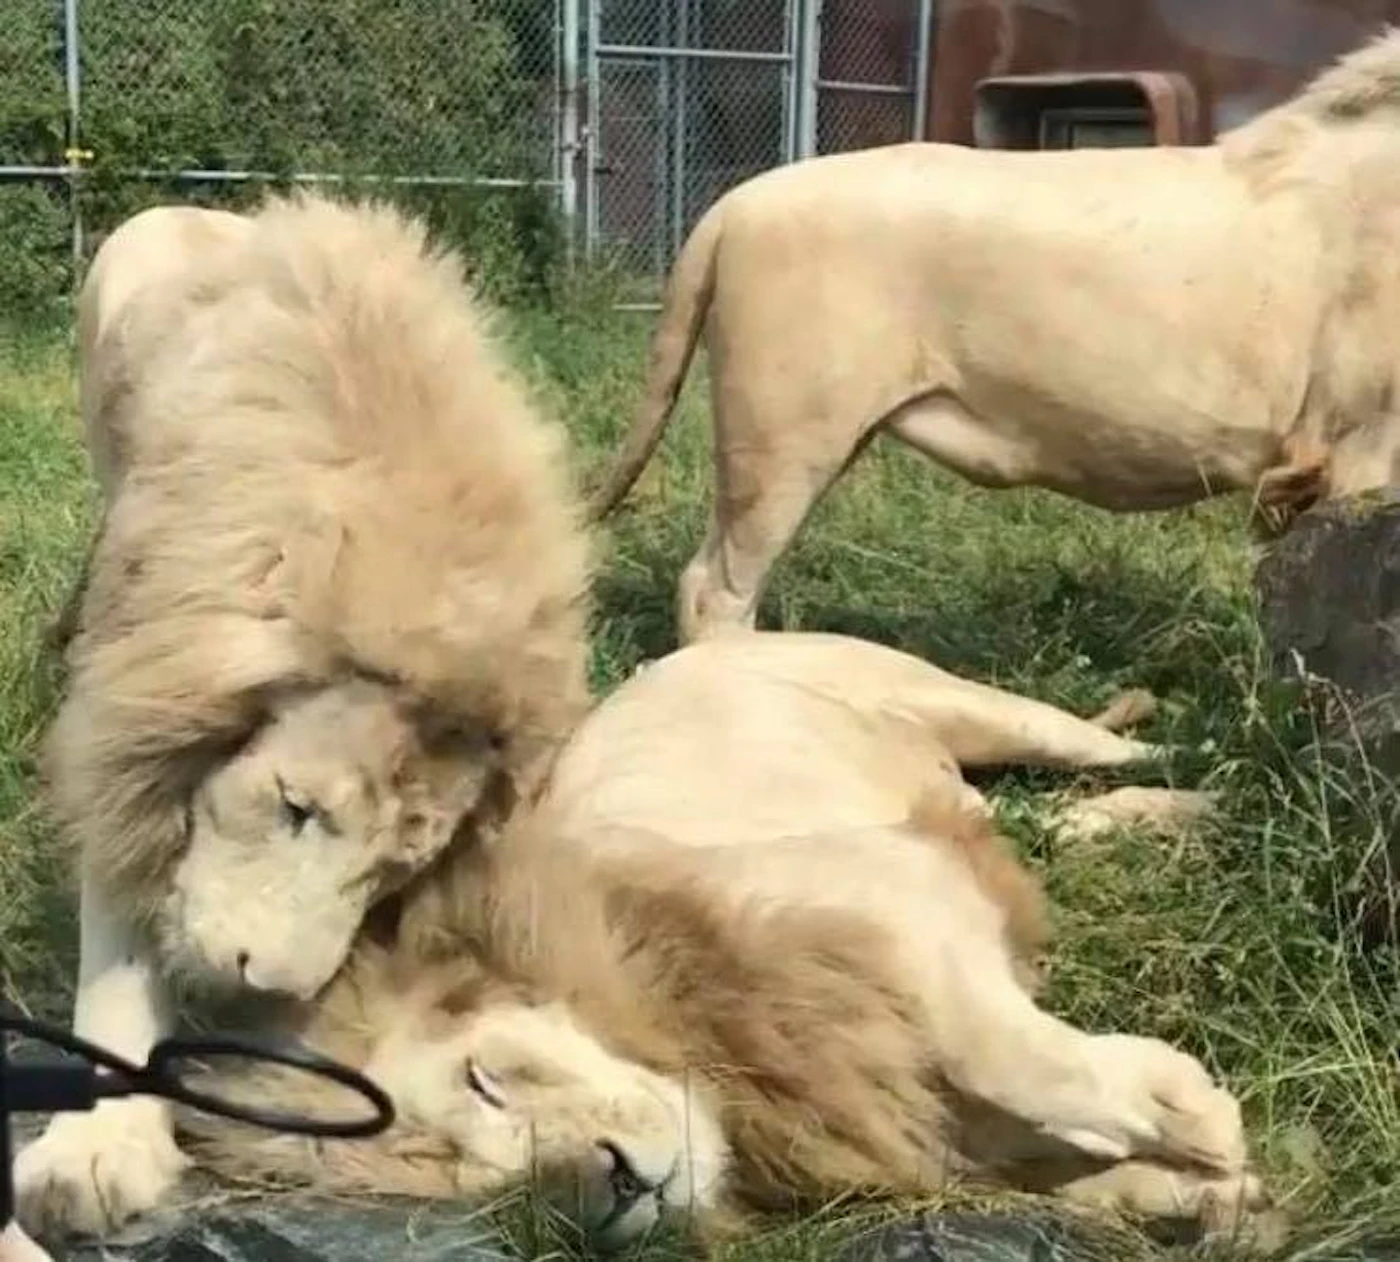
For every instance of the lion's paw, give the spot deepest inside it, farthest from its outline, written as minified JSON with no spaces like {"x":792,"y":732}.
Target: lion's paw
{"x":1168,"y":812}
{"x":1160,"y":1102}
{"x":1127,"y":709}
{"x":90,"y":1172}
{"x":1237,"y":1204}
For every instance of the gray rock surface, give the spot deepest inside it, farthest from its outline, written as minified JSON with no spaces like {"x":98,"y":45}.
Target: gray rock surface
{"x":1029,"y":1237}
{"x":1330,"y":594}
{"x":970,"y":1237}
{"x":293,"y":1229}
{"x":289,"y":1229}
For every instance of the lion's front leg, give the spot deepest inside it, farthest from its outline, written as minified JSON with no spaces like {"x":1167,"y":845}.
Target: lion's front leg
{"x":982,"y":725}
{"x":91,"y":1171}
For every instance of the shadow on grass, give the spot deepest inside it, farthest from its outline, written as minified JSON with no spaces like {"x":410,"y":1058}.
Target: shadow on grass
{"x":1122,"y":619}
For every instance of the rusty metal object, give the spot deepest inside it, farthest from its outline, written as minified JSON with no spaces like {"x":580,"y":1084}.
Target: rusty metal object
{"x":1239,"y":56}
{"x":1006,"y":107}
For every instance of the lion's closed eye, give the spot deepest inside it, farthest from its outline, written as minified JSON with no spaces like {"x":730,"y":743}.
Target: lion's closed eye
{"x":484,"y":1085}
{"x":297,"y":810}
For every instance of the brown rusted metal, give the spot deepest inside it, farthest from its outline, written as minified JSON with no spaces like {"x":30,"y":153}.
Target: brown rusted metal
{"x":1166,"y":100}
{"x":1238,"y":56}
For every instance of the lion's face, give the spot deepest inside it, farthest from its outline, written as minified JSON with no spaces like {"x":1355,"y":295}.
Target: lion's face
{"x":332,"y":804}
{"x":524,"y":1094}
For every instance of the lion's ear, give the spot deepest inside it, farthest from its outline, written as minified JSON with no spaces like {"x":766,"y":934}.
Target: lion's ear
{"x":439,"y":792}
{"x":425,"y":829}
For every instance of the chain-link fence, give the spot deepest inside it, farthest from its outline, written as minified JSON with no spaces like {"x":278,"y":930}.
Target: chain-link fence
{"x":628,"y":116}
{"x":692,"y":96}
{"x":872,"y":81}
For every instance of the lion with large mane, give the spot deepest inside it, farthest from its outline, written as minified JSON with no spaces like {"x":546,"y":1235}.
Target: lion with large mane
{"x":757,"y":946}
{"x":1137,"y":329}
{"x":334,"y":617}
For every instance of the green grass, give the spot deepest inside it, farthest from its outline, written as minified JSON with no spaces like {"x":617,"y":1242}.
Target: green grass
{"x":1240,"y":943}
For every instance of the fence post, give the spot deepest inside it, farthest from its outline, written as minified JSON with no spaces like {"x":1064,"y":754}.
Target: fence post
{"x":569,"y":131}
{"x":807,"y":70}
{"x":592,"y":126}
{"x":923,"y":53}
{"x":680,"y":92}
{"x":72,"y":75}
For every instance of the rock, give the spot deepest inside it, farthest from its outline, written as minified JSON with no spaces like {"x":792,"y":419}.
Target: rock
{"x":295,"y":1229}
{"x":299,"y":1229}
{"x":1329,"y":591}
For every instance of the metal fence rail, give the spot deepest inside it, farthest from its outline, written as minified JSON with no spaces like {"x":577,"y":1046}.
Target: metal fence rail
{"x":632,"y":116}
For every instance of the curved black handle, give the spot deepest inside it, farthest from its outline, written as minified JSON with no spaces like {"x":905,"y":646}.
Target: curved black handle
{"x":70,"y":1087}
{"x":283,"y":1052}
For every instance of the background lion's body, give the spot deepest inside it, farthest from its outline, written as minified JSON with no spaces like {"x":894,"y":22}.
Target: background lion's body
{"x":1138,"y":329}
{"x":1130,"y":327}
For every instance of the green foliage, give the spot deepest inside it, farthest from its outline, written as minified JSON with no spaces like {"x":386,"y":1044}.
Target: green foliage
{"x":35,"y":265}
{"x":455,"y":89}
{"x":32,"y":101}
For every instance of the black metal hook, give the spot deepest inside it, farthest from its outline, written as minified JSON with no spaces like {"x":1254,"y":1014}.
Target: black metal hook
{"x":98,"y":1074}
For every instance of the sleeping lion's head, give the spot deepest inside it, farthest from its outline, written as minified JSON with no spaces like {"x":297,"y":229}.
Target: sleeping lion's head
{"x":523,"y":1094}
{"x":336,"y":800}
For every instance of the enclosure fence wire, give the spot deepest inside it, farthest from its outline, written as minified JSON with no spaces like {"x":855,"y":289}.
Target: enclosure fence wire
{"x":620,"y":119}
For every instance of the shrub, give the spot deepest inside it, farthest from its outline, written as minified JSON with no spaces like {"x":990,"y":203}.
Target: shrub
{"x":392,"y":88}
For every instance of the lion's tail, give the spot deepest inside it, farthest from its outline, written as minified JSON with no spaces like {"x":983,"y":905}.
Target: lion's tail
{"x":688,"y":293}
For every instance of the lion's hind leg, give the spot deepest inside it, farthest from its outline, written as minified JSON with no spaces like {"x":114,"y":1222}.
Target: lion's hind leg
{"x":984,"y":726}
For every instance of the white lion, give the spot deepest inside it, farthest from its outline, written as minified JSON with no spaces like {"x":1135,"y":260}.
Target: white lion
{"x":1137,"y":329}
{"x":334,"y":617}
{"x":759,"y":945}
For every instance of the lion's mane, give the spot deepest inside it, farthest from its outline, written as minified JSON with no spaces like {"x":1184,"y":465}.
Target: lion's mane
{"x":331,"y":471}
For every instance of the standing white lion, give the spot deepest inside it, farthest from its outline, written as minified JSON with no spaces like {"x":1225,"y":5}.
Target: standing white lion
{"x":335,"y":617}
{"x":1138,"y":329}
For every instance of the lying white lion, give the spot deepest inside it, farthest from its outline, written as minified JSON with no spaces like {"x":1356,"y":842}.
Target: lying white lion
{"x":1135,"y":328}
{"x":334,"y":617}
{"x":758,"y":946}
